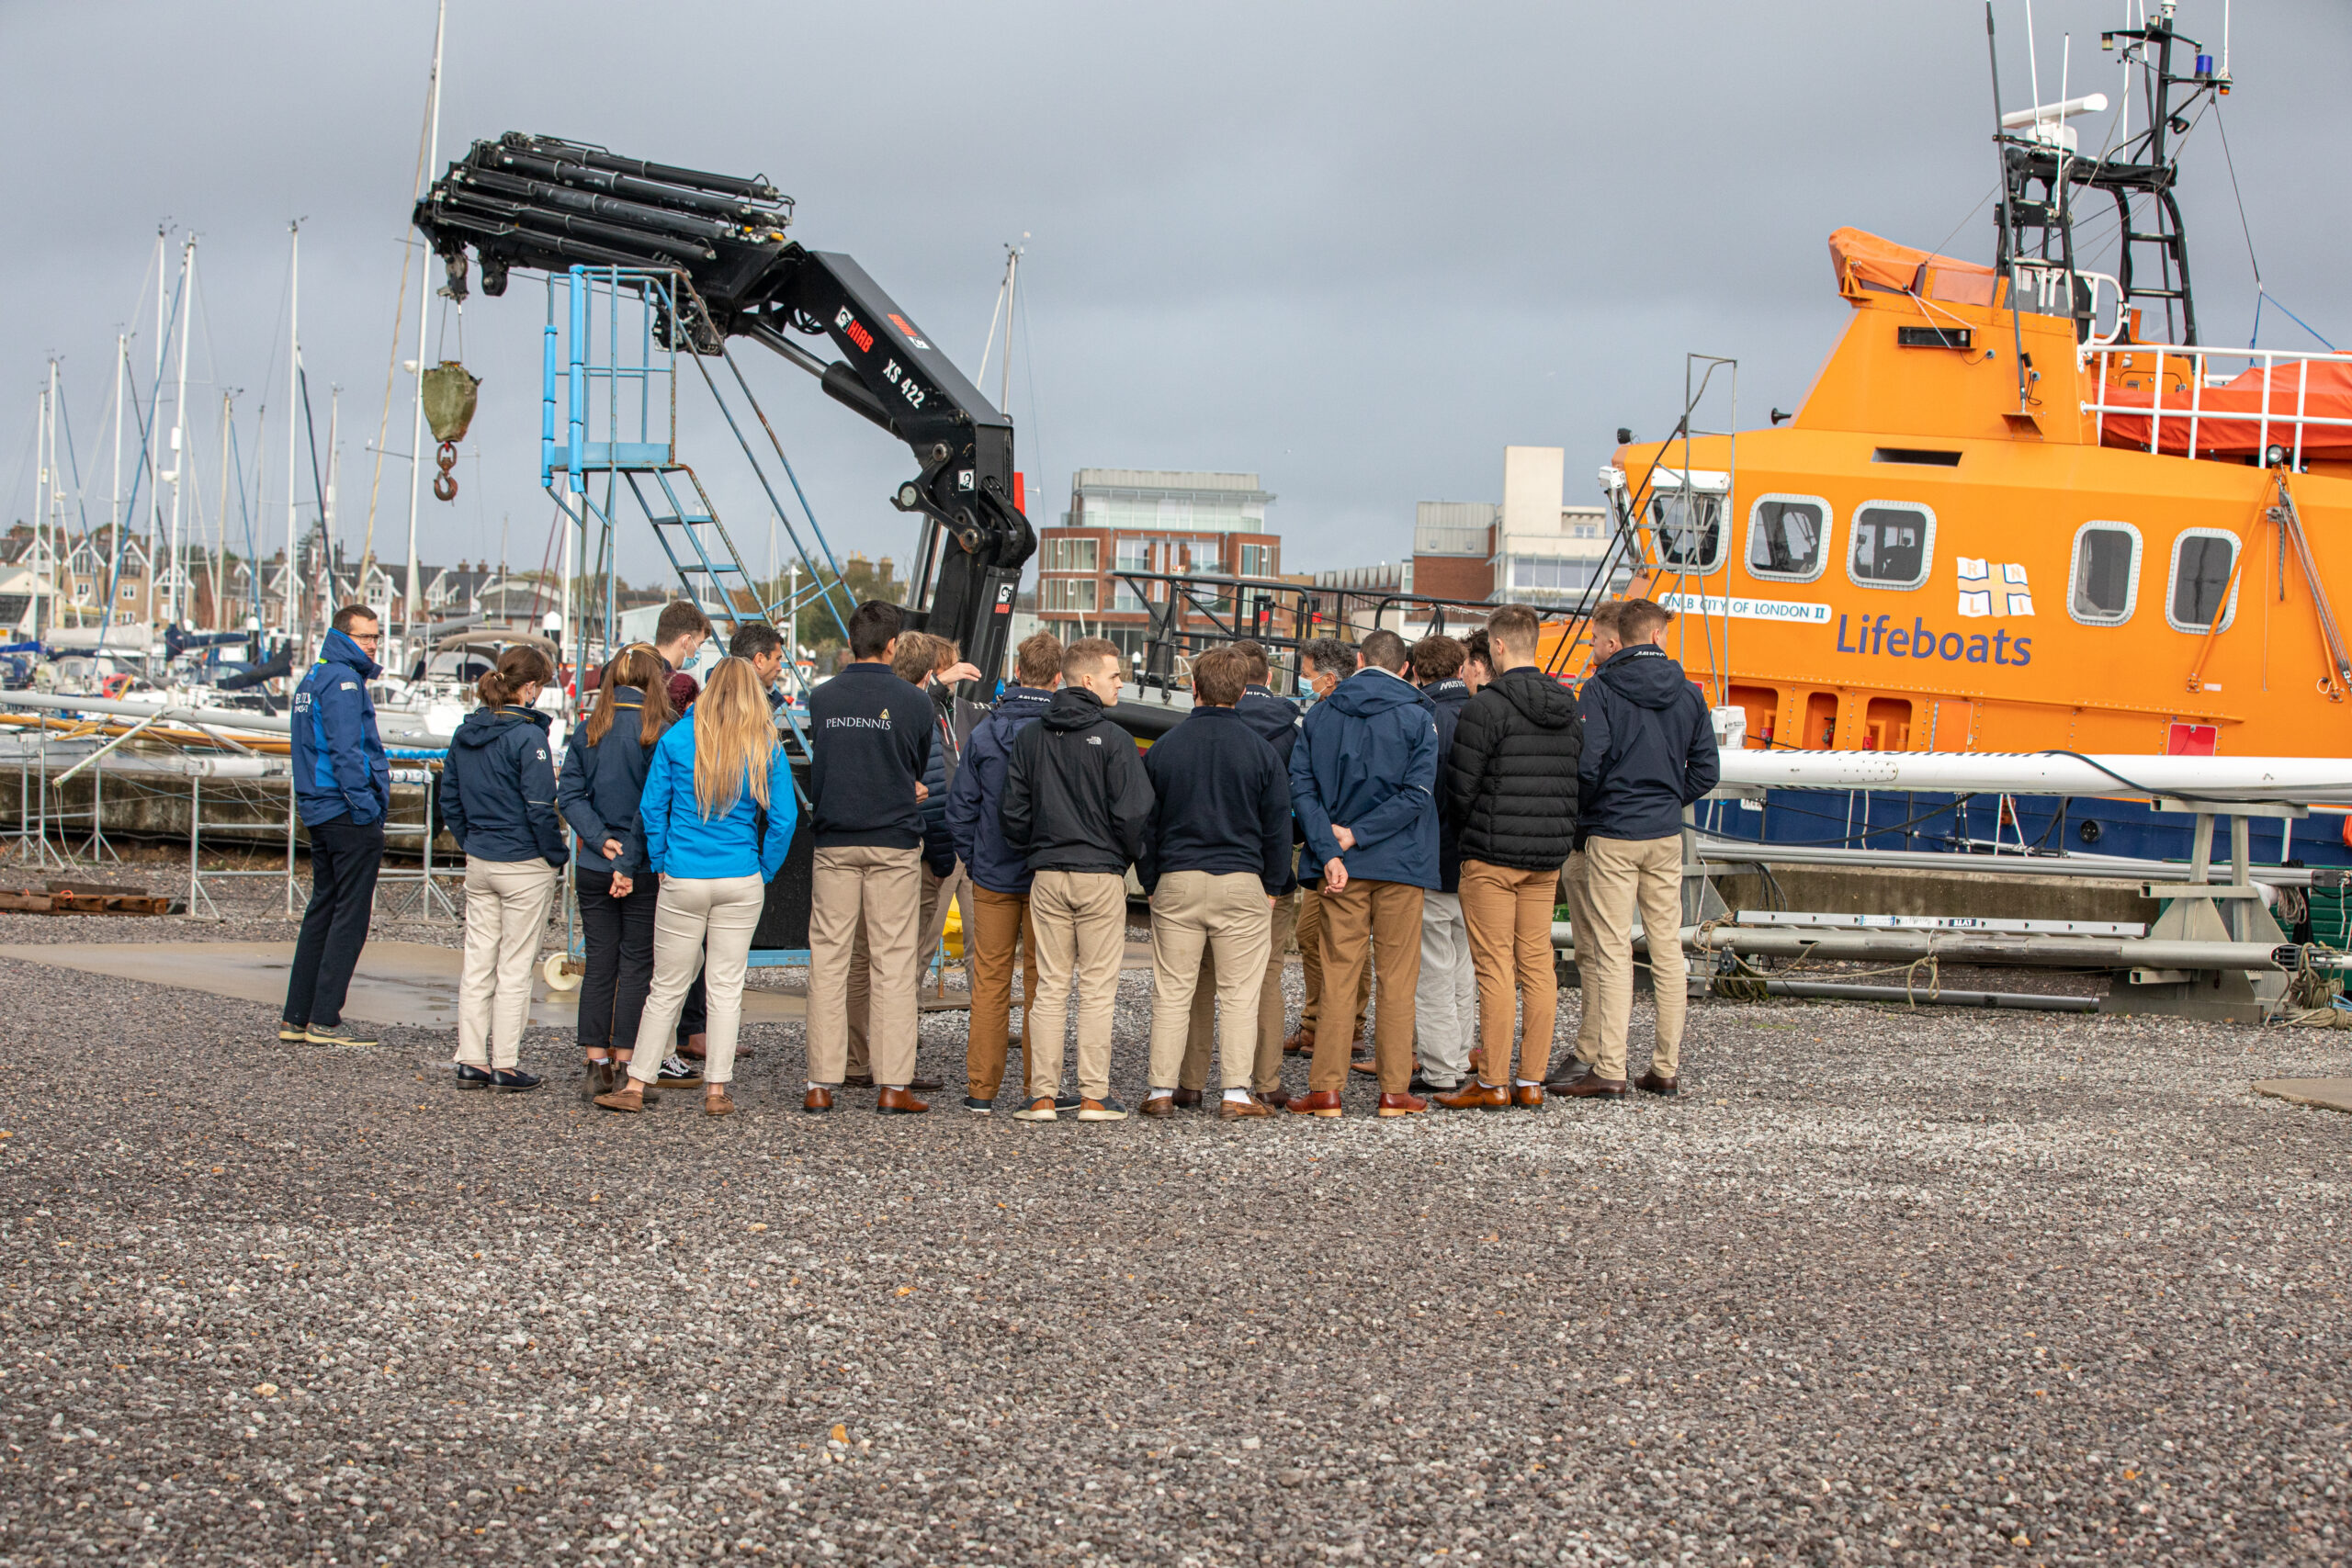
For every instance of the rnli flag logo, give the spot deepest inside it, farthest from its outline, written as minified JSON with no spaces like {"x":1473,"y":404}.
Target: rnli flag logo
{"x":1994,"y":588}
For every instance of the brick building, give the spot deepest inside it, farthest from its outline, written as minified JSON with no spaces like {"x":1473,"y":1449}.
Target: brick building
{"x":1140,"y":520}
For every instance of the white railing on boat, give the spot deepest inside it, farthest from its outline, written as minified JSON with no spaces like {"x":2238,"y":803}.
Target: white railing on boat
{"x":2099,"y":361}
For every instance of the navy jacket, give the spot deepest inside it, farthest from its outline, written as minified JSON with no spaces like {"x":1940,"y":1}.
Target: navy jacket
{"x":1220,"y":801}
{"x":978,"y":793}
{"x":1447,"y":698}
{"x":497,"y":787}
{"x":340,"y":769}
{"x":599,"y":787}
{"x":1276,"y":719}
{"x":938,"y":847}
{"x":1649,"y":748}
{"x":871,"y":733}
{"x":1366,"y":759}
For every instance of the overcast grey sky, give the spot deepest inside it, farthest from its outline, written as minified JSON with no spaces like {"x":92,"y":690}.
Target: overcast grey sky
{"x":1356,"y":249}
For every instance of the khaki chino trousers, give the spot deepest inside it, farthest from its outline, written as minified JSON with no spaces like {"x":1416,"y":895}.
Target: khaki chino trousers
{"x":1080,"y":921}
{"x":1626,"y":875}
{"x":706,"y":923}
{"x":1508,"y":911}
{"x":1309,"y":933}
{"x":1001,"y":928}
{"x":1371,"y":925}
{"x":506,"y":913}
{"x":1576,"y":889}
{"x":878,"y":892}
{"x":1207,"y":924}
{"x":1266,"y":1073}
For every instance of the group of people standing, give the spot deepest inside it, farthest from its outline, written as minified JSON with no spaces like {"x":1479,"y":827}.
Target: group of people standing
{"x":1414,"y":832}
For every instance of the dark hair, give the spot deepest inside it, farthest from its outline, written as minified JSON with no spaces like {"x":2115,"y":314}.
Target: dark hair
{"x":640,"y":668}
{"x":1642,"y":619}
{"x":680,"y":618}
{"x":1330,"y":656}
{"x":1038,"y":661}
{"x":1477,"y":647}
{"x":1255,"y":652}
{"x":873,"y":626}
{"x":1219,"y":676}
{"x":351,"y":615}
{"x":1384,"y":649}
{"x":1516,"y":628}
{"x":517,"y":667}
{"x":753,"y":637}
{"x":1435,"y":657}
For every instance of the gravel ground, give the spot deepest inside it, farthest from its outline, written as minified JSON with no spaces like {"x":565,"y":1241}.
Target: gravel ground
{"x":1880,"y":1287}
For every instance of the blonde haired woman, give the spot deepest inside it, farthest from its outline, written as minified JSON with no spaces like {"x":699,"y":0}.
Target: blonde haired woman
{"x":717,"y":818}
{"x":498,"y":796}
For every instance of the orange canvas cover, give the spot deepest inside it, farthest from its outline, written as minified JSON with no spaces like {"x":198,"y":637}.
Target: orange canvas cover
{"x":1867,"y":262}
{"x":2230,"y":417}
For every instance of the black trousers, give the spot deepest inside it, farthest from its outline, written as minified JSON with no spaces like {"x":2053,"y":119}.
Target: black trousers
{"x":694,"y":1014}
{"x":618,"y":934}
{"x":343,"y":859}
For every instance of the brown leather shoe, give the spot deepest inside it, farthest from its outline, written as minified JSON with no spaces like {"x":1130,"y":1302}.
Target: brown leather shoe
{"x":899,"y":1102}
{"x":1527,"y":1097}
{"x":1278,"y":1098}
{"x":1575,"y":1073}
{"x":1241,"y":1109}
{"x":818,"y":1101}
{"x":1186,"y":1098}
{"x":1650,"y":1083}
{"x":1402,"y":1105}
{"x":1593,"y":1086}
{"x":926,"y":1085}
{"x":718,"y":1104}
{"x":1299,"y":1044}
{"x":628,"y":1100}
{"x":1473,"y":1096}
{"x":1322,"y":1102}
{"x":857,"y":1080}
{"x":1156,"y":1106}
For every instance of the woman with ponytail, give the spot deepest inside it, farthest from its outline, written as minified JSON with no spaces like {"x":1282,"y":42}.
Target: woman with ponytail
{"x":498,"y":796}
{"x":717,"y":818}
{"x":605,"y":764}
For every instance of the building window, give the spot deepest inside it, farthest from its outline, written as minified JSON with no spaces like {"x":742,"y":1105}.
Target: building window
{"x":1135,"y":555}
{"x":1072,"y":555}
{"x":1206,"y":554}
{"x":2202,"y":562}
{"x":1787,"y":535}
{"x":1690,"y":530}
{"x":1258,"y":560}
{"x":1894,"y":544}
{"x":1074,"y":595}
{"x":1585,"y":531}
{"x":1544,"y":574}
{"x":2104,"y":585}
{"x":1124,"y":599}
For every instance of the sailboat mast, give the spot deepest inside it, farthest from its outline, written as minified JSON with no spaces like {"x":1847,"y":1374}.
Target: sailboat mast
{"x":174,"y":609}
{"x":423,"y":296}
{"x":44,"y":456}
{"x":293,"y":397}
{"x":154,"y":459}
{"x":326,"y":502}
{"x":221,"y":521}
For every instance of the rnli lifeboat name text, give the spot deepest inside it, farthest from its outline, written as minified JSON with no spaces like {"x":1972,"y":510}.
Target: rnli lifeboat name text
{"x":1880,"y":635}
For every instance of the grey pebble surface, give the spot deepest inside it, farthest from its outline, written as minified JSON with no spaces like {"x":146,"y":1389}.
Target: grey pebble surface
{"x":1879,"y":1287}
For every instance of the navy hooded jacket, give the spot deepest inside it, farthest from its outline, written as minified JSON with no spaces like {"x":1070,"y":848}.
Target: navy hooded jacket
{"x":1276,"y":719}
{"x":497,"y":787}
{"x":1366,"y":759}
{"x":978,"y":793}
{"x":1649,"y":748}
{"x":600,"y":785}
{"x":1447,"y":698}
{"x":938,"y":845}
{"x":340,"y":769}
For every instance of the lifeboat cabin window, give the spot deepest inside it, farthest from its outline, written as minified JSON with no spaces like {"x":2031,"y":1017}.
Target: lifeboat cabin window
{"x":2202,"y":560}
{"x":2103,"y":586}
{"x":1787,"y":535}
{"x":1689,"y":530}
{"x":1894,"y":544}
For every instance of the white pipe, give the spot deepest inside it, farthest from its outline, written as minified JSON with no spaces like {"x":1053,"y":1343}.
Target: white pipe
{"x":238,"y":718}
{"x":1725,"y":856}
{"x":2066,"y":108}
{"x":2297,"y":780}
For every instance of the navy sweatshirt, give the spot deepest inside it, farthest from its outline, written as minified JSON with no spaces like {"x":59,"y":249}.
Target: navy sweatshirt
{"x":497,"y":787}
{"x":1220,"y":801}
{"x":1276,"y":719}
{"x":600,"y":785}
{"x":871,"y":733}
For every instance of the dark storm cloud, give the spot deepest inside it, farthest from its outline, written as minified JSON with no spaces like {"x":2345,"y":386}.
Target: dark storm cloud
{"x":1357,"y":249}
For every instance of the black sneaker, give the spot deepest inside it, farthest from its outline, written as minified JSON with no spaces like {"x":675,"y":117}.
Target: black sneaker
{"x":1067,"y":1101}
{"x":511,"y":1081}
{"x":678,"y":1072}
{"x":336,"y":1034}
{"x":979,"y":1107}
{"x":472,"y":1077}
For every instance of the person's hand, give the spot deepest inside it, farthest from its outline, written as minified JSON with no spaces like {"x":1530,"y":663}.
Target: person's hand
{"x":1335,"y":875}
{"x":1274,"y":900}
{"x":612,"y":849}
{"x":922,"y":791}
{"x":1347,"y":840}
{"x":955,"y":672}
{"x":622,"y":886}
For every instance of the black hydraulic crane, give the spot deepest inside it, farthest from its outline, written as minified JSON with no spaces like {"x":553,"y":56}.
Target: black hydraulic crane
{"x":544,"y":204}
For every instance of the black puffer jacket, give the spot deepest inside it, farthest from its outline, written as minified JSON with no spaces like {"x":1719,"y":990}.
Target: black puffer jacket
{"x":1512,"y":778}
{"x":1075,"y":797}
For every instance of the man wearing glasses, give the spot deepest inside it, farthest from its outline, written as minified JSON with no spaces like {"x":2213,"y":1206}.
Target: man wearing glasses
{"x":343,"y":786}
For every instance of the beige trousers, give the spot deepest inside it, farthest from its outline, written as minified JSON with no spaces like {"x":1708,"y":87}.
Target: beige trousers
{"x":1371,"y":925}
{"x":1079,"y":919}
{"x":1624,"y":875}
{"x":704,"y":921}
{"x":1225,"y":917}
{"x":1576,"y":889}
{"x":1273,"y":1009}
{"x":1510,"y":914}
{"x":506,"y":913}
{"x":933,"y":922}
{"x":1445,"y":1003}
{"x":877,"y":892}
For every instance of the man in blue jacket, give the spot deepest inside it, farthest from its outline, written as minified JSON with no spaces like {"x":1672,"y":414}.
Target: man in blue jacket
{"x":343,"y":786}
{"x":1362,"y":779}
{"x":1001,"y":878}
{"x":1649,"y":751}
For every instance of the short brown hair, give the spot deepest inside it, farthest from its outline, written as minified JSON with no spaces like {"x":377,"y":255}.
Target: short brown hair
{"x":680,"y":618}
{"x":1608,"y":616}
{"x":1384,"y":649}
{"x":1638,"y":620}
{"x":1080,"y":656}
{"x":351,"y":615}
{"x":1219,"y":676}
{"x":1255,"y":652}
{"x":1436,"y":657}
{"x":916,"y":657}
{"x":518,"y":666}
{"x":1038,"y":660}
{"x":1516,"y":628}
